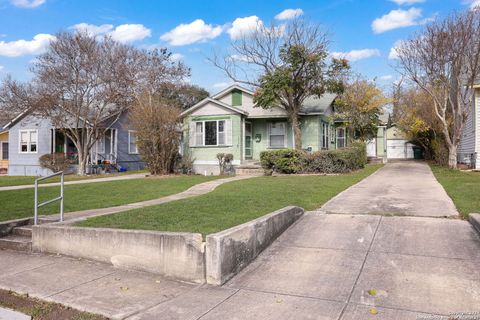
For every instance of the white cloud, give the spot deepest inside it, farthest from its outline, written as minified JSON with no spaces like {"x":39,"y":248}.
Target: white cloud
{"x":1,"y":68}
{"x":407,"y":2}
{"x":244,"y":26}
{"x":473,"y":3}
{"x":92,"y":29}
{"x":386,"y":77}
{"x":130,"y":32}
{"x":29,"y":4}
{"x":196,"y":31}
{"x":356,"y":55}
{"x":25,"y":47}
{"x":176,"y":56}
{"x":397,"y":19}
{"x":124,"y":33}
{"x":393,"y":54}
{"x":288,"y":14}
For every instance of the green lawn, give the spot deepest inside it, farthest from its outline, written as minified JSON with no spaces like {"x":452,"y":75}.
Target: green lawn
{"x":463,"y":187}
{"x":6,"y":181}
{"x":233,"y":203}
{"x":19,"y":203}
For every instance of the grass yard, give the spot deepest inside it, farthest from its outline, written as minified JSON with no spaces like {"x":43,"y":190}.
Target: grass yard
{"x":17,"y":204}
{"x":233,"y":203}
{"x":6,"y":181}
{"x":463,"y":187}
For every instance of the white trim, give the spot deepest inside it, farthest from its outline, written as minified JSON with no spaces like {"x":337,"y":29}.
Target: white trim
{"x":227,"y":90}
{"x":29,"y":142}
{"x":136,"y":146}
{"x":1,"y":149}
{"x":213,"y":162}
{"x":219,"y":103}
{"x":269,"y":128}
{"x":204,"y":133}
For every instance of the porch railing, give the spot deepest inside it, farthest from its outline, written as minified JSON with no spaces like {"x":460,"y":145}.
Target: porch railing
{"x":60,"y":198}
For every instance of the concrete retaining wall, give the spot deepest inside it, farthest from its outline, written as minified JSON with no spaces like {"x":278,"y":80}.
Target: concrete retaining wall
{"x":229,"y":251}
{"x":176,"y":255}
{"x":474,"y":219}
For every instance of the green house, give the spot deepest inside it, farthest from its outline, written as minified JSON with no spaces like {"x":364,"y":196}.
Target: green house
{"x":229,"y":122}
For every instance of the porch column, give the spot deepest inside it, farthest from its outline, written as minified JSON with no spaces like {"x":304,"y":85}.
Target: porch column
{"x":111,"y":141}
{"x":242,"y":149}
{"x":293,"y":138}
{"x":115,"y":146}
{"x":54,"y":147}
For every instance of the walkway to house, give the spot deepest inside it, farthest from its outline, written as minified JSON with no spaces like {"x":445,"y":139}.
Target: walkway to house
{"x":326,"y":266}
{"x":53,"y":184}
{"x":196,"y":190}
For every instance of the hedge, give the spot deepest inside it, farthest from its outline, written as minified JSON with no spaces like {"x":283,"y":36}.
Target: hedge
{"x":325,"y":161}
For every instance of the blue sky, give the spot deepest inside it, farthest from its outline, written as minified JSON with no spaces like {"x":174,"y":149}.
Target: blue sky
{"x":363,"y":31}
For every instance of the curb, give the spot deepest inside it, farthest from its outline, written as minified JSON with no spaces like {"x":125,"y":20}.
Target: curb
{"x":474,"y":219}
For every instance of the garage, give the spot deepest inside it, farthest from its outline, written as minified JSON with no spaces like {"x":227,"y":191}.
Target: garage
{"x":399,"y":149}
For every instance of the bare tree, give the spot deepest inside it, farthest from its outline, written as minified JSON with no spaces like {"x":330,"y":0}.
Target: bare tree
{"x":285,"y":64}
{"x":15,"y":97}
{"x":84,"y":85}
{"x":444,"y":61}
{"x":156,"y":123}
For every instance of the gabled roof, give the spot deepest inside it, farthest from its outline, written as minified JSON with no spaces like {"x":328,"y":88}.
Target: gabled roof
{"x":19,"y":117}
{"x":316,"y":105}
{"x":230,"y":88}
{"x":219,"y":103}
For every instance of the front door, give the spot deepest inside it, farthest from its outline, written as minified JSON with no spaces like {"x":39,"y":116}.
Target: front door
{"x":248,"y":140}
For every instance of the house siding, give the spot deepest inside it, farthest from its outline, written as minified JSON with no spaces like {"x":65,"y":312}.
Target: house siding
{"x":124,"y":158}
{"x":260,"y":126}
{"x":311,"y":132}
{"x":469,"y":142}
{"x":205,"y":157}
{"x":27,"y":164}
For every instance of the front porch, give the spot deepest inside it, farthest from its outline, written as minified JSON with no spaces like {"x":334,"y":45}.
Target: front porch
{"x":102,"y":157}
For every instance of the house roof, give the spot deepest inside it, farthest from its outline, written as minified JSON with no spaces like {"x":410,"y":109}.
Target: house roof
{"x":207,"y":100}
{"x":17,"y":118}
{"x":317,"y":105}
{"x":230,"y":88}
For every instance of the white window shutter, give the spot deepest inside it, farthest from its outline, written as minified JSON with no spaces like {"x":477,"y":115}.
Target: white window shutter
{"x":228,"y":132}
{"x":191,"y":133}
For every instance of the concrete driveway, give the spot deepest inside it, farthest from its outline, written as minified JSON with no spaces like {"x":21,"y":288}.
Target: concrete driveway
{"x":399,"y":188}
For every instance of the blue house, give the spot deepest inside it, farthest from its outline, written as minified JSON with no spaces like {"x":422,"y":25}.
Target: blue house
{"x":30,"y":136}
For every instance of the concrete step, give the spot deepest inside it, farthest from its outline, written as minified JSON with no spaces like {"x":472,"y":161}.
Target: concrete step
{"x":16,"y":242}
{"x":25,"y":231}
{"x":374,"y":160}
{"x":47,"y":220}
{"x":243,"y":171}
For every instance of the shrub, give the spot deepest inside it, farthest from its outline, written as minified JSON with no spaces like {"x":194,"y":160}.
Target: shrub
{"x":327,"y":161}
{"x":55,"y":162}
{"x":225,"y":163}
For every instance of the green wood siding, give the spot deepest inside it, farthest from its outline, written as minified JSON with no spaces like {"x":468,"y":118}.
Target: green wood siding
{"x":236,"y":98}
{"x":209,"y":153}
{"x":311,"y":132}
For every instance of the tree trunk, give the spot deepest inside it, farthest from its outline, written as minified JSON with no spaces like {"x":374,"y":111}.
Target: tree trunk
{"x":297,"y":131}
{"x":452,"y":156}
{"x":82,"y":163}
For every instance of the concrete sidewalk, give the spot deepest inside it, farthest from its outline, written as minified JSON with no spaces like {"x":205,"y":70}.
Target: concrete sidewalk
{"x":405,"y":188}
{"x":320,"y":268}
{"x":86,"y":181}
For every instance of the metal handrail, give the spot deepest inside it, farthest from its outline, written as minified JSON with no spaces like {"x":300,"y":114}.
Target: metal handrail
{"x":37,"y":205}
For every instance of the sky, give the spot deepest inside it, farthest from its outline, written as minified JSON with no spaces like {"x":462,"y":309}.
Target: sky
{"x":363,"y":31}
